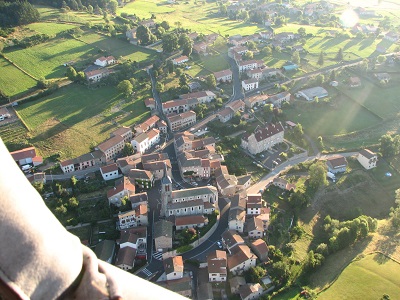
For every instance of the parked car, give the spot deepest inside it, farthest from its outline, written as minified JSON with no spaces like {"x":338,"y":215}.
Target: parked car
{"x":219,"y":244}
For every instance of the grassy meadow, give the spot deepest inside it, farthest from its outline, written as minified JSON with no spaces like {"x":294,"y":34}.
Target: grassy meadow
{"x":201,"y":17}
{"x":72,"y":120}
{"x":367,"y":278}
{"x":12,"y":80}
{"x":50,"y":29}
{"x":47,"y":59}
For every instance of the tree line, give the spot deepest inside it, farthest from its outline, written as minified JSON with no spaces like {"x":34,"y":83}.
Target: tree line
{"x":14,"y":13}
{"x":90,"y":5}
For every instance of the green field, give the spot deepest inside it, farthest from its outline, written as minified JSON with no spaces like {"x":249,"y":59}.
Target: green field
{"x":343,"y":116}
{"x":56,"y":15}
{"x":12,"y":80}
{"x":200,"y":17}
{"x":382,"y":101}
{"x":73,"y":119}
{"x":368,"y":278}
{"x":47,"y":59}
{"x":119,"y":48}
{"x":50,"y":29}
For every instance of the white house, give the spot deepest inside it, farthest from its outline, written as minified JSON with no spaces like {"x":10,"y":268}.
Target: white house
{"x":255,"y":228}
{"x":241,"y":259}
{"x":133,"y":218}
{"x":250,"y":291}
{"x":254,"y":204}
{"x":173,"y":267}
{"x":145,"y":140}
{"x":337,"y":164}
{"x":109,"y":172}
{"x":250,"y":84}
{"x":217,"y":266}
{"x":367,"y":159}
{"x":236,"y":219}
{"x":180,"y":60}
{"x":105,"y":61}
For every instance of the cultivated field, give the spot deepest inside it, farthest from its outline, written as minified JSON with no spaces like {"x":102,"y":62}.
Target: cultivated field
{"x":14,"y":136}
{"x":47,"y":59}
{"x":200,"y":17}
{"x":72,"y":120}
{"x":367,"y":278}
{"x":118,"y":48}
{"x":12,"y":80}
{"x":50,"y":29}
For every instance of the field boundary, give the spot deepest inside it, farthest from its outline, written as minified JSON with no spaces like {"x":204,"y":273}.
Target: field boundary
{"x":358,"y":257}
{"x":18,"y":67}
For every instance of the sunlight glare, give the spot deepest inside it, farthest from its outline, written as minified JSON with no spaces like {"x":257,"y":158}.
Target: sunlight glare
{"x":349,"y":18}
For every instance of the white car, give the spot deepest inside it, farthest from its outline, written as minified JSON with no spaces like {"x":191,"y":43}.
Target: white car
{"x":219,"y":244}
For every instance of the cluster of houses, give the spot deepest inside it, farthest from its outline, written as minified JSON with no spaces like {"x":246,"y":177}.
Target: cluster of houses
{"x":147,"y":135}
{"x":237,"y":257}
{"x":179,"y":112}
{"x":99,"y":70}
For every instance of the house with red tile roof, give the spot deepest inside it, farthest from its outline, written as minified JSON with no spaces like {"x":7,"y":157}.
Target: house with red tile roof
{"x":173,"y":267}
{"x":26,"y":156}
{"x":185,"y":222}
{"x":217,"y":266}
{"x":112,"y":147}
{"x":123,"y":188}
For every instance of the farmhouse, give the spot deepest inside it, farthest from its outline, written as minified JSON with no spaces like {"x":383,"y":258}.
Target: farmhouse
{"x":96,"y":75}
{"x":105,"y":61}
{"x":311,"y":93}
{"x":180,"y":60}
{"x":337,"y":164}
{"x":26,"y":156}
{"x":263,"y":138}
{"x":367,"y":159}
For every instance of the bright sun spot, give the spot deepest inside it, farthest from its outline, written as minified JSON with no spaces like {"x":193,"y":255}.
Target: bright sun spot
{"x":349,"y":18}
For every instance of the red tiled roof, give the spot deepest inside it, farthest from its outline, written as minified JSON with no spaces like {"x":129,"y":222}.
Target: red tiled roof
{"x":25,"y":153}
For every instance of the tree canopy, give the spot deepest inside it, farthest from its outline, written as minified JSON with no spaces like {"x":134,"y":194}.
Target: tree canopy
{"x":17,"y":13}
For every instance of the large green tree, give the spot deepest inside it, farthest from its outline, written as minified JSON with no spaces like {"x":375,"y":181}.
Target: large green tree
{"x":186,"y":44}
{"x":170,"y":42}
{"x":144,"y":35}
{"x":317,"y":174}
{"x":125,"y":87}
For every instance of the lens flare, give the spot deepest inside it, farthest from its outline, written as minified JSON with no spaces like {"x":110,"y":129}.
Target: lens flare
{"x":349,"y":18}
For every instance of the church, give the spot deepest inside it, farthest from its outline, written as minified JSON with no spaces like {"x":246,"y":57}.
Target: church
{"x":194,"y":201}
